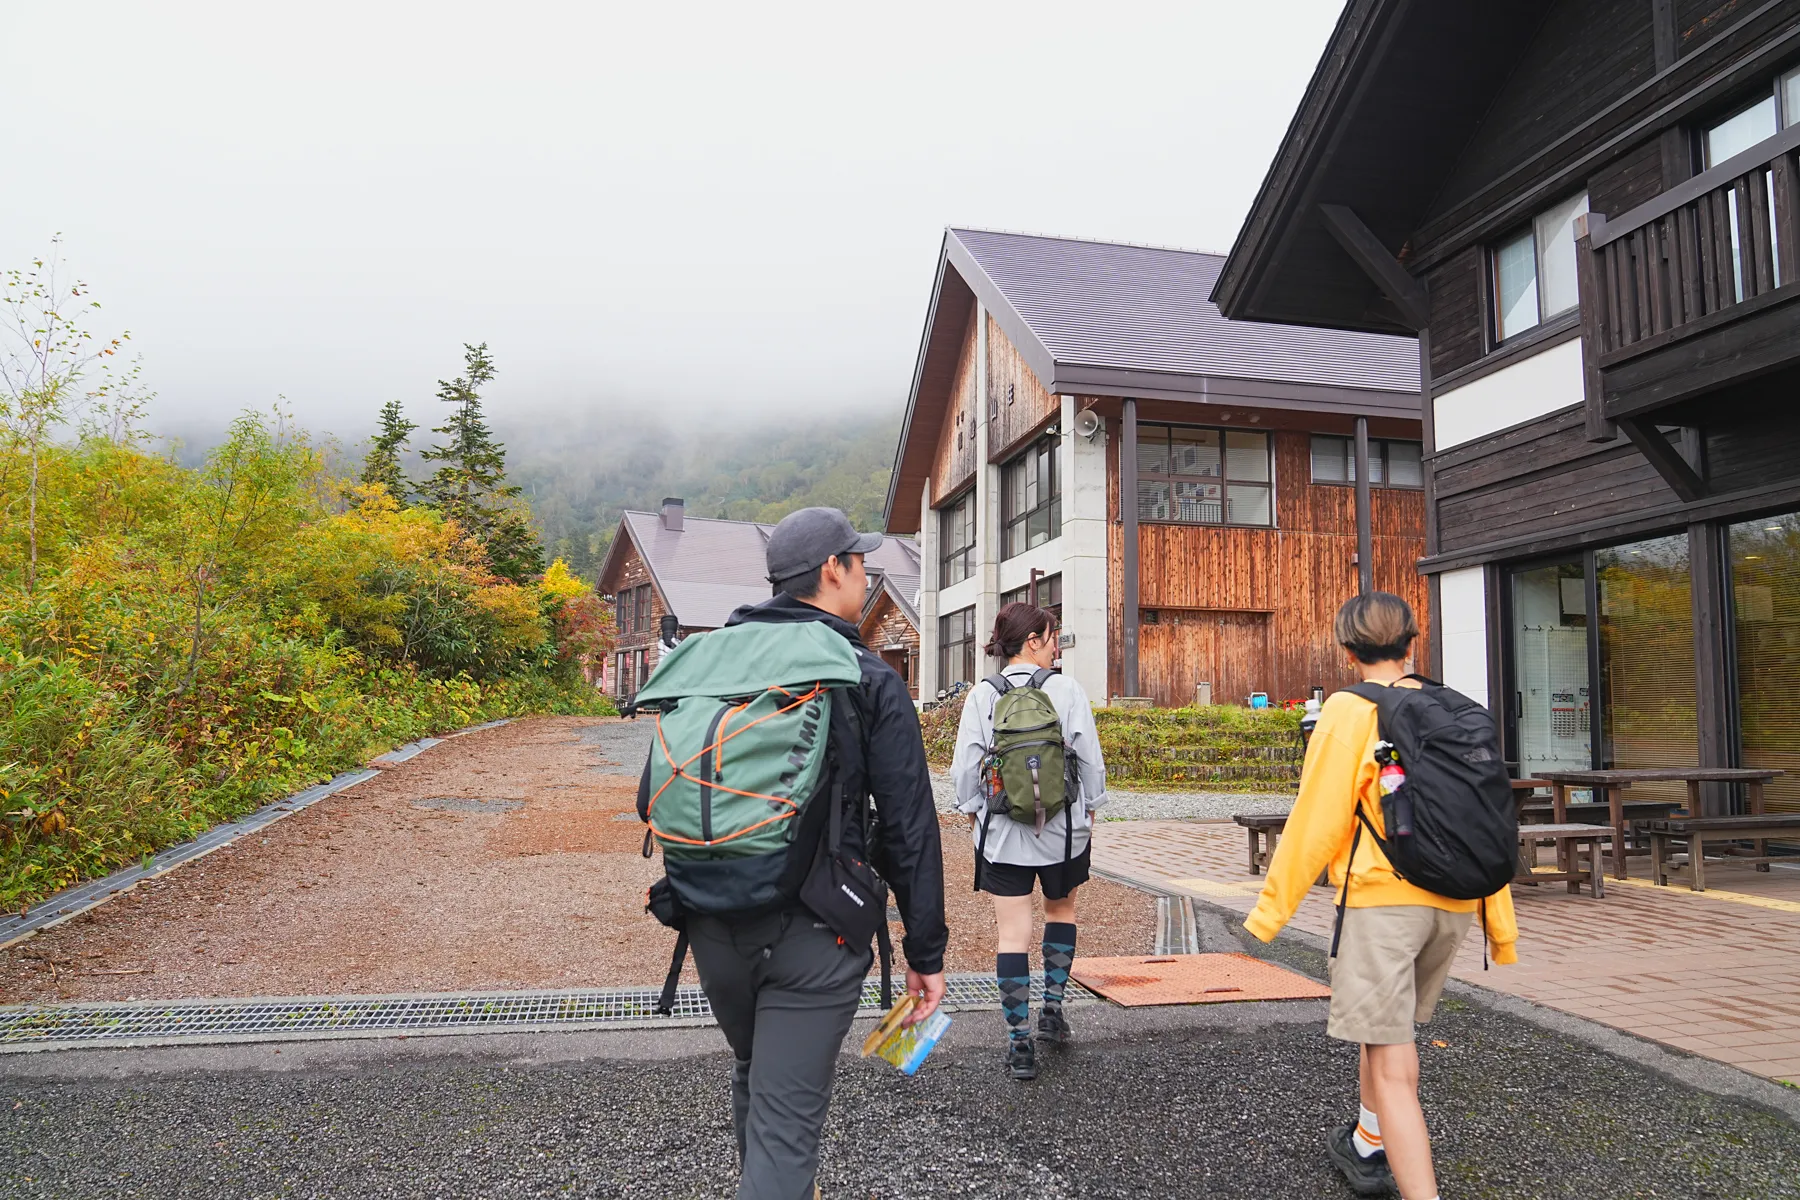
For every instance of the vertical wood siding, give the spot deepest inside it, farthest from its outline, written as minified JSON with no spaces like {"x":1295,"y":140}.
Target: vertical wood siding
{"x":1017,"y":402}
{"x":955,"y":462}
{"x":1288,"y":581}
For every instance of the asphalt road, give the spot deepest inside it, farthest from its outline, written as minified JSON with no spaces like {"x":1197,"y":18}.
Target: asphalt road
{"x":1221,"y":1101}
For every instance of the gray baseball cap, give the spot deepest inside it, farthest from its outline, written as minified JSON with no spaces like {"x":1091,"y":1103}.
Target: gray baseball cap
{"x":805,"y":539}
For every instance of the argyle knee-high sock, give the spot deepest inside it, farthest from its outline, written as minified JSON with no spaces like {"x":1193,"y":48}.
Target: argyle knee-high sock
{"x":1059,"y":959}
{"x":1014,"y":974}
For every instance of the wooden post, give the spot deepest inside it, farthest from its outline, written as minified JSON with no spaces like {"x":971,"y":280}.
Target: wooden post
{"x":1036,"y":574}
{"x":1708,"y":576}
{"x":1595,"y":325}
{"x":1365,"y":551}
{"x":1128,"y":562}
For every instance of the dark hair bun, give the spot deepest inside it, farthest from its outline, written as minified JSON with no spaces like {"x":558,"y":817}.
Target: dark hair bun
{"x":1014,"y":625}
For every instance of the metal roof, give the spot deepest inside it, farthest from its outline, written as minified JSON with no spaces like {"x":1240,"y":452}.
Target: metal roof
{"x":708,"y":568}
{"x":1116,"y":307}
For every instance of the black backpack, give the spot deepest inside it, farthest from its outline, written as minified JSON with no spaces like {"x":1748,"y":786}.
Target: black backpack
{"x":1452,"y":826}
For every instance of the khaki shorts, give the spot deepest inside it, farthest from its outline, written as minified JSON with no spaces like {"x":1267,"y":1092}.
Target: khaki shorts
{"x":1390,"y":970}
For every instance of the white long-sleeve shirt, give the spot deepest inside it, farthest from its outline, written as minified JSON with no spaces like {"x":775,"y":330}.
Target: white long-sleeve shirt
{"x":1010,"y":841}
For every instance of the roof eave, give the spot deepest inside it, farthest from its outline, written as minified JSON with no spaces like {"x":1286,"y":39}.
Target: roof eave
{"x":1219,"y":389}
{"x":912,"y":395}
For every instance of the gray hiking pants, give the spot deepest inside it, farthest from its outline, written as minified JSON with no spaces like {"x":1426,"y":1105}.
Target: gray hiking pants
{"x":784,"y":992}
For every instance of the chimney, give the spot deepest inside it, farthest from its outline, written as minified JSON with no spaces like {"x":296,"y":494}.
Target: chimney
{"x":674,"y":508}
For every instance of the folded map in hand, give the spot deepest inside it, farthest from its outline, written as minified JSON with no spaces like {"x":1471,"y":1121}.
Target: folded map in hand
{"x":905,"y":1045}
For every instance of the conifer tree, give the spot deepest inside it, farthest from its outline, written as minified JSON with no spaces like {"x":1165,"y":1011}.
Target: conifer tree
{"x":470,"y":487}
{"x":382,"y":464}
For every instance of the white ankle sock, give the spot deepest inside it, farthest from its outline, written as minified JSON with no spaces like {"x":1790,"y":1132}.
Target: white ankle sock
{"x":1367,"y":1138}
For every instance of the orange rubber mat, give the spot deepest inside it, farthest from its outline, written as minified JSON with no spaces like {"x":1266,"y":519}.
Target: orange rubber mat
{"x":1192,"y":979}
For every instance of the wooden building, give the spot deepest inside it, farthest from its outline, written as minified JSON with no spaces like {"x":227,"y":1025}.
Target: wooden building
{"x":890,"y":618}
{"x":699,"y":570}
{"x":1588,"y":213}
{"x":1057,"y":375}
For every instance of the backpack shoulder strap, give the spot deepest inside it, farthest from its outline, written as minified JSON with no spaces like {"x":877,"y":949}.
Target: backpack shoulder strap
{"x":1000,"y":683}
{"x":1372,"y":692}
{"x":1039,"y":676}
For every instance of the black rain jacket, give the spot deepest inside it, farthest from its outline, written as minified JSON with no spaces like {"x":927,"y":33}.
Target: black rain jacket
{"x":888,"y":763}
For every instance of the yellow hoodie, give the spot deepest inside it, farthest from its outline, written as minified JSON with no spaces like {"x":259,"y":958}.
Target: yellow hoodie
{"x":1340,"y":774}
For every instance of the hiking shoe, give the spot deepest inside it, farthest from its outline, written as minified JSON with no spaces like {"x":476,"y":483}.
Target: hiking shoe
{"x":1021,"y":1058}
{"x":1367,"y":1176}
{"x":1053,"y":1027}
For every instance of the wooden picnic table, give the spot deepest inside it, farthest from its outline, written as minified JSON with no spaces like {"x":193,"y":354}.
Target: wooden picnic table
{"x":1612,"y":783}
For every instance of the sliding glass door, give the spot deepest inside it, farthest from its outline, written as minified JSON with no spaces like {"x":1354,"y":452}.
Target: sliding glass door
{"x":1551,"y":687}
{"x":1765,"y":596}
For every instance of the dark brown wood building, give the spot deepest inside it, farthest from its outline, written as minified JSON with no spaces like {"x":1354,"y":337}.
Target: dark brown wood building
{"x":1588,"y":211}
{"x":1057,"y":376}
{"x":700,"y":569}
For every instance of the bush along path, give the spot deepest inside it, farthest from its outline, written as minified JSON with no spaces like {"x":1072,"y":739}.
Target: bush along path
{"x":1219,"y":748}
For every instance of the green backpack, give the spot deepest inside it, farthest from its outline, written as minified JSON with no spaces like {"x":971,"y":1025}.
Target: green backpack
{"x":1027,"y":772}
{"x":741,"y":745}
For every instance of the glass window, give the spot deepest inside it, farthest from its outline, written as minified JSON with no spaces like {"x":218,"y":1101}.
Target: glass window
{"x":1765,"y":593}
{"x":956,"y":647}
{"x":1740,"y":131}
{"x":956,"y":540}
{"x":1049,"y":595}
{"x":1534,"y":270}
{"x":1033,"y":499}
{"x":1204,"y":476}
{"x":1515,"y":285}
{"x":1551,"y":688}
{"x":1647,"y":659}
{"x":1391,"y":463}
{"x":1555,"y":234}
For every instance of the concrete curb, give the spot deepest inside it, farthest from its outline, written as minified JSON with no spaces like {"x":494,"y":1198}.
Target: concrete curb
{"x":71,"y":902}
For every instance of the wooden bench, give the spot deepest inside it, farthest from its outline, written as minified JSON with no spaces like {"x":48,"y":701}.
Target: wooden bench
{"x":1697,"y":831}
{"x":1570,"y":840}
{"x":1262,"y":827}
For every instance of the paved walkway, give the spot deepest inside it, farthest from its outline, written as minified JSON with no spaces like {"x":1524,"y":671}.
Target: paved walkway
{"x":1714,"y":973}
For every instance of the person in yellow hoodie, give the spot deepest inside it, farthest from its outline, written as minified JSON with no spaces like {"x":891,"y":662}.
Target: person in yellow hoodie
{"x":1398,"y":940}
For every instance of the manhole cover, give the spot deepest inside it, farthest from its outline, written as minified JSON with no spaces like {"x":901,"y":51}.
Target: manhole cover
{"x":470,"y":804}
{"x":1193,"y":979}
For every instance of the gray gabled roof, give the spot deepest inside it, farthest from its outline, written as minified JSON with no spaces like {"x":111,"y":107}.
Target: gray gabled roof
{"x":709,"y":567}
{"x":1109,"y":316}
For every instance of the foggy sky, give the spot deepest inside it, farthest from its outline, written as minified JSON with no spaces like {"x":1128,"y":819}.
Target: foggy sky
{"x":728,"y":208}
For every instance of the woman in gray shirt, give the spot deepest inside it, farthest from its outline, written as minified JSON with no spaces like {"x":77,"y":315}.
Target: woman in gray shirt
{"x":1016,"y":858}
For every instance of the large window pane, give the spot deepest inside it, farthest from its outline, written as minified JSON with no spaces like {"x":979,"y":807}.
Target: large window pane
{"x":1194,"y":452}
{"x":956,"y":647}
{"x":1515,"y":285}
{"x":1153,"y":501}
{"x":1550,"y":665}
{"x":1739,"y":132}
{"x":1555,"y":232}
{"x":1647,"y":659}
{"x":1330,"y":460}
{"x":1153,"y":450}
{"x":1247,"y":457}
{"x":1247,"y":504}
{"x":1765,"y":587}
{"x":1405,"y":465}
{"x":1198,"y":502}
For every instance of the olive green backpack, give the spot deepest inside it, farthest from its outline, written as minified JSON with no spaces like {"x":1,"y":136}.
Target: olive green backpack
{"x":1027,"y":774}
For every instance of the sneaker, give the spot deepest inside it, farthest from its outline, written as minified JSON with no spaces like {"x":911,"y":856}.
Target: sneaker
{"x":1053,"y":1027}
{"x":1367,"y":1176}
{"x":1021,"y":1058}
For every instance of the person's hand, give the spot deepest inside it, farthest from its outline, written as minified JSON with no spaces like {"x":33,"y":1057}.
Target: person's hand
{"x":929,"y":989}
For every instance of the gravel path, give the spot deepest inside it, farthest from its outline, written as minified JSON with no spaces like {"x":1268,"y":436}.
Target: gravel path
{"x":1224,"y":1101}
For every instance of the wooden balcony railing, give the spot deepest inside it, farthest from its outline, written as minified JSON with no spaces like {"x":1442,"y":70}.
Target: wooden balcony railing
{"x":1693,"y":259}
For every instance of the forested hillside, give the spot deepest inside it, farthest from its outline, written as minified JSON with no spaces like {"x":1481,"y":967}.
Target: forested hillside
{"x":581,"y":472}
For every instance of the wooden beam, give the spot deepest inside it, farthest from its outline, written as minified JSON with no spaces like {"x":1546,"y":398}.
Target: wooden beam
{"x":1366,"y":250}
{"x":1365,"y":541}
{"x":1128,"y":560}
{"x":1708,"y":573}
{"x":1665,"y":458}
{"x":1596,"y":332}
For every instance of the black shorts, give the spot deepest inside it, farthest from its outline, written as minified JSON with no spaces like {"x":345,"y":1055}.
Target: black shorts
{"x":1058,"y":878}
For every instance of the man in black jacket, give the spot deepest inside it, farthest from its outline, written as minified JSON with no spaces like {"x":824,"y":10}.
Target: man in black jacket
{"x":784,"y":987}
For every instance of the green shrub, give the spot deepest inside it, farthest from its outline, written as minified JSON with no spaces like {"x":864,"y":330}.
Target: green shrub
{"x":1219,"y":747}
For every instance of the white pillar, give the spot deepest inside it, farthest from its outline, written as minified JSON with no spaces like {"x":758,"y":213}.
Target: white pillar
{"x":1082,"y":464}
{"x":1464,"y":618}
{"x":928,"y":596}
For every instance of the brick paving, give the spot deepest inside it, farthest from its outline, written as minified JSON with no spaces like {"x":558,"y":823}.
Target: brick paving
{"x":1715,"y":973}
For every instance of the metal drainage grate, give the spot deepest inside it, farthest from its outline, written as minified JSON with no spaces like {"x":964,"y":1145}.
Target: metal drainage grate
{"x":199,"y":1021}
